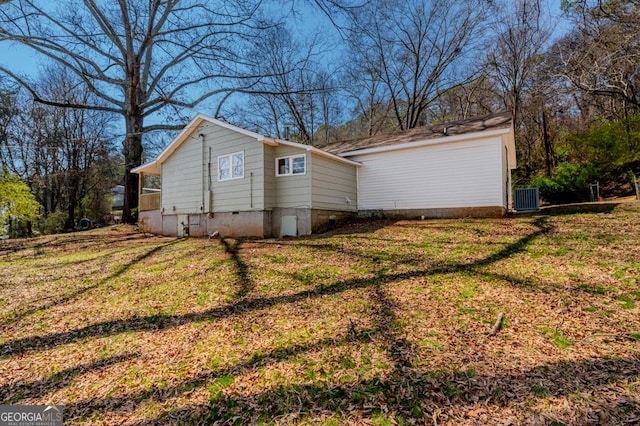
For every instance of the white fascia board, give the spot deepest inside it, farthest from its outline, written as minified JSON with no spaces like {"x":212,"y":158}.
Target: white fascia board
{"x":319,"y":152}
{"x":193,"y":124}
{"x":231,"y":127}
{"x":441,"y":140}
{"x":152,"y":168}
{"x":335,"y":157}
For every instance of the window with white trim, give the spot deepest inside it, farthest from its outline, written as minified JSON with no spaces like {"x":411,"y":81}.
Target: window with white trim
{"x":291,"y":165}
{"x":231,"y":166}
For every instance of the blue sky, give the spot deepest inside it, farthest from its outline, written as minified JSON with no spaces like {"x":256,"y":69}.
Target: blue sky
{"x":22,"y":60}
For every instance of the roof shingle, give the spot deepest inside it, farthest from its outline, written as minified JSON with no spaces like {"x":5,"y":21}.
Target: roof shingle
{"x":476,"y":124}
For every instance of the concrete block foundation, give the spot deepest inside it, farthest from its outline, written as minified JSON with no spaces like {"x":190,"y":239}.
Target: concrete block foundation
{"x":259,"y":223}
{"x":450,"y":212}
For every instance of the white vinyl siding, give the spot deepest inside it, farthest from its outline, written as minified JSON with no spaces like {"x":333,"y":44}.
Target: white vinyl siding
{"x":293,"y":190}
{"x":462,"y":174}
{"x":186,"y":172}
{"x":334,"y":185}
{"x":269,"y":177}
{"x":182,"y":179}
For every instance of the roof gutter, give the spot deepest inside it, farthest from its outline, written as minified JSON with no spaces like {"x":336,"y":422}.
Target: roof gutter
{"x":446,"y":139}
{"x":312,"y":149}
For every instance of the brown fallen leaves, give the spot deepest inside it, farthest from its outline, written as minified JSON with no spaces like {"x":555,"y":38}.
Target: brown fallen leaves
{"x":375,"y":323}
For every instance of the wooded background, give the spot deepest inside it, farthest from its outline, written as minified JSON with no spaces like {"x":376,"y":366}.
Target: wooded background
{"x":116,"y":80}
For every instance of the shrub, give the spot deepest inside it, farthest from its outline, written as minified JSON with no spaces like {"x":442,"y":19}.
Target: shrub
{"x":54,"y":222}
{"x":569,"y":183}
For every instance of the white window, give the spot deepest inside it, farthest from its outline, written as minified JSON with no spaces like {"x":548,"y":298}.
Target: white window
{"x":291,"y":165}
{"x":231,"y":166}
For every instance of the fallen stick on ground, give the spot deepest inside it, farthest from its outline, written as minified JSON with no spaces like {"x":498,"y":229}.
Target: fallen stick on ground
{"x":497,"y":325}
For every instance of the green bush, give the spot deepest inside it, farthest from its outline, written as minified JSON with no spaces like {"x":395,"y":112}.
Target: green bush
{"x":569,"y":183}
{"x":54,"y":222}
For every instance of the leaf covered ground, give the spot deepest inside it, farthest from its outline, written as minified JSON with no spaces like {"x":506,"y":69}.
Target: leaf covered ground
{"x":374,"y":323}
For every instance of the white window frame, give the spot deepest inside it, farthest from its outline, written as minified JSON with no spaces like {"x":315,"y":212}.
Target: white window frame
{"x":291,"y":157}
{"x":230,"y":157}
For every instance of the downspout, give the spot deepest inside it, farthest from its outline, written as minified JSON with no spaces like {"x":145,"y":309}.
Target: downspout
{"x":203,"y":174}
{"x":508,"y":189}
{"x":251,"y":189}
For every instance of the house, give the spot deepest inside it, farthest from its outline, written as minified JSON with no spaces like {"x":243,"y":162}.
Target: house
{"x":454,"y":169}
{"x":117,"y":195}
{"x":219,"y":177}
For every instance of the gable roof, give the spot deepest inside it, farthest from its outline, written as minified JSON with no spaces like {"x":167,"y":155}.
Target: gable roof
{"x":154,"y":167}
{"x":493,"y":124}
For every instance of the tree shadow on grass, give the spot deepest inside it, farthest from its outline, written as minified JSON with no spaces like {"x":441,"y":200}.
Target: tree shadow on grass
{"x":63,"y":299}
{"x":406,"y":392}
{"x":414,"y":395}
{"x":248,"y":304}
{"x":62,"y":241}
{"x":242,"y":270}
{"x":14,"y":392}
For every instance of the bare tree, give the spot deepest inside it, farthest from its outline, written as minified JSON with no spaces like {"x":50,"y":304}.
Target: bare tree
{"x":476,"y":98}
{"x":413,"y":49}
{"x":601,"y":55}
{"x":366,"y":90}
{"x":140,"y":58}
{"x":295,"y":92}
{"x":63,"y":153}
{"x":523,"y":30}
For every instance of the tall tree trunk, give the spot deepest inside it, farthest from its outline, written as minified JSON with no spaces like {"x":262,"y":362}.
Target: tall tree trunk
{"x":548,"y":148}
{"x":132,"y":159}
{"x":71,"y":210}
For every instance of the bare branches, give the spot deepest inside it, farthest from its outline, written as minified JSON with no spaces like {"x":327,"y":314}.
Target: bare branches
{"x":601,"y":56}
{"x":139,"y":56}
{"x":414,"y":50}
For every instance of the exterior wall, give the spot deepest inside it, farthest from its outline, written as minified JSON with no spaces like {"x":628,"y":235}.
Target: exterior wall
{"x":303,"y":217}
{"x":241,"y":224}
{"x":452,"y":175}
{"x":185,"y":174}
{"x":150,"y":221}
{"x":308,"y":220}
{"x":228,"y":224}
{"x":236,"y":224}
{"x":182,"y":178}
{"x":334,"y":186}
{"x":506,"y":170}
{"x":269,"y":168}
{"x":292,"y":191}
{"x":237,"y":194}
{"x":454,"y":212}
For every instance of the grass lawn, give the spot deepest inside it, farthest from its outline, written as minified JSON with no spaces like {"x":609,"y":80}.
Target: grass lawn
{"x":377,"y":323}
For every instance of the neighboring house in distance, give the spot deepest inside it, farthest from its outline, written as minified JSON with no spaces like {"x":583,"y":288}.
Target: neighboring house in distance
{"x":117,"y":195}
{"x":453,"y":169}
{"x":219,"y":177}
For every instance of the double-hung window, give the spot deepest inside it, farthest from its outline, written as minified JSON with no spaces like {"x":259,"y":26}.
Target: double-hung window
{"x":291,"y":165}
{"x":231,"y":166}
